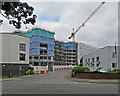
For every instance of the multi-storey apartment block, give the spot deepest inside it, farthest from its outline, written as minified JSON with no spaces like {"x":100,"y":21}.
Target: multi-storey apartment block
{"x":60,"y":53}
{"x":41,"y":47}
{"x":65,"y":53}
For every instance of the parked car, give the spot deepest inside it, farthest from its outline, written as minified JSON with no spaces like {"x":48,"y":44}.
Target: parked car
{"x":104,"y":70}
{"x":98,"y":69}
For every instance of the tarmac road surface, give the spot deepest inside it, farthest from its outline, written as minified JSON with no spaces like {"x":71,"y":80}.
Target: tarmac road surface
{"x":54,"y":83}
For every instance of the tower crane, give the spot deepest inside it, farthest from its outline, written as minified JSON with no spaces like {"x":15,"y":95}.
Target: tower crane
{"x":83,"y":24}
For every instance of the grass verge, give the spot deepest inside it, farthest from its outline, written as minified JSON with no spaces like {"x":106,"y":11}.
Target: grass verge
{"x":14,"y":76}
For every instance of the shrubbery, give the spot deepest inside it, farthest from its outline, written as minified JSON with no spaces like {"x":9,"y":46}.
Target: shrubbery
{"x":114,"y":71}
{"x":80,"y":69}
{"x":97,"y":71}
{"x":32,"y":72}
{"x":28,"y":72}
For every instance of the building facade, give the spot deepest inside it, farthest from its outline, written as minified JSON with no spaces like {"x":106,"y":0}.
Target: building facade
{"x":15,"y":54}
{"x":71,"y":53}
{"x":60,"y":53}
{"x":65,"y":53}
{"x":106,"y":57}
{"x":84,"y":49}
{"x":41,"y":47}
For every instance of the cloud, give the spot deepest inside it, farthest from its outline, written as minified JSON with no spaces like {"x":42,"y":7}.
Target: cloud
{"x":62,"y":17}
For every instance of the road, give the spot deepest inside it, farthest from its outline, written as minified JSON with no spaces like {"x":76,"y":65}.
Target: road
{"x":54,"y":83}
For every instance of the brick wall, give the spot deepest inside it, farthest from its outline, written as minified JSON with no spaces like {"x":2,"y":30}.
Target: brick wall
{"x":97,"y":75}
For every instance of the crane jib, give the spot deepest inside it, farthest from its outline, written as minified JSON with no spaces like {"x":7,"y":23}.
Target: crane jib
{"x":82,"y":25}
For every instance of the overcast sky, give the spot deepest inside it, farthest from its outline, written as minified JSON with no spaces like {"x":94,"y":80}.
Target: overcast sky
{"x":61,"y":17}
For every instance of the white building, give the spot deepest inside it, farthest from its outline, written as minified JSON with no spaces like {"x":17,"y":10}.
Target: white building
{"x":84,"y":49}
{"x":104,"y":57}
{"x":14,"y":55}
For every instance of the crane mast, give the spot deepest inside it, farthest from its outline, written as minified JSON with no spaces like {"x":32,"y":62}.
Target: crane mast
{"x":83,"y":24}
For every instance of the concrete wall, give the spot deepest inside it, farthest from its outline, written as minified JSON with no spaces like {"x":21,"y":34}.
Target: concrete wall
{"x":10,"y":49}
{"x":105,"y":58}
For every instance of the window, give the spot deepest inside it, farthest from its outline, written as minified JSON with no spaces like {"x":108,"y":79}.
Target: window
{"x":98,"y":64}
{"x":114,"y":65}
{"x":92,"y":59}
{"x":36,"y":57}
{"x":30,"y":57}
{"x":22,"y":57}
{"x":88,"y":60}
{"x":36,"y":63}
{"x":22,"y":47}
{"x":97,"y":59}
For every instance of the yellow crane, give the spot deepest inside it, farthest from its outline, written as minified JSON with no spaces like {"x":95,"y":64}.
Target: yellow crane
{"x":83,"y":24}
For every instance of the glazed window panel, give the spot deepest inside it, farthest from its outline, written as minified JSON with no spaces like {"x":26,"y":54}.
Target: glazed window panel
{"x":22,"y":57}
{"x":22,"y":47}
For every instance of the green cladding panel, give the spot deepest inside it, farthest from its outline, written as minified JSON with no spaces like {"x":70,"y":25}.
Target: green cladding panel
{"x":39,"y":32}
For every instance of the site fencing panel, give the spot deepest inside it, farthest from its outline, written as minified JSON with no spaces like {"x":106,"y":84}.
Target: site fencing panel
{"x":57,"y":68}
{"x":41,"y":69}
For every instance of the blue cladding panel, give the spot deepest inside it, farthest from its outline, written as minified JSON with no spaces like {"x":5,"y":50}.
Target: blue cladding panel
{"x":63,"y":47}
{"x":72,"y":48}
{"x":56,"y":45}
{"x":35,"y":44}
{"x":42,"y":39}
{"x":70,"y":44}
{"x":50,"y":46}
{"x":34,"y":51}
{"x":50,"y":52}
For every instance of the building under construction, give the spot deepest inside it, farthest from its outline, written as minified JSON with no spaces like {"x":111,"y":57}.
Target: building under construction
{"x":60,"y":53}
{"x":65,"y":53}
{"x":41,"y":50}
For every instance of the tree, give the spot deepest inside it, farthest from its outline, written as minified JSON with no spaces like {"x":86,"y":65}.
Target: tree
{"x":18,"y":13}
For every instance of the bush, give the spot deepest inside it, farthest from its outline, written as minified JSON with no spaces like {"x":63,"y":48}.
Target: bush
{"x":27,"y":72}
{"x":80,"y":69}
{"x":86,"y":69}
{"x":32,"y":72}
{"x":97,"y":71}
{"x":115,"y":70}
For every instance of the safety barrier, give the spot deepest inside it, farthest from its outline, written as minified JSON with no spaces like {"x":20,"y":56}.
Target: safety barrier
{"x":58,"y":68}
{"x":44,"y":69}
{"x":41,"y":69}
